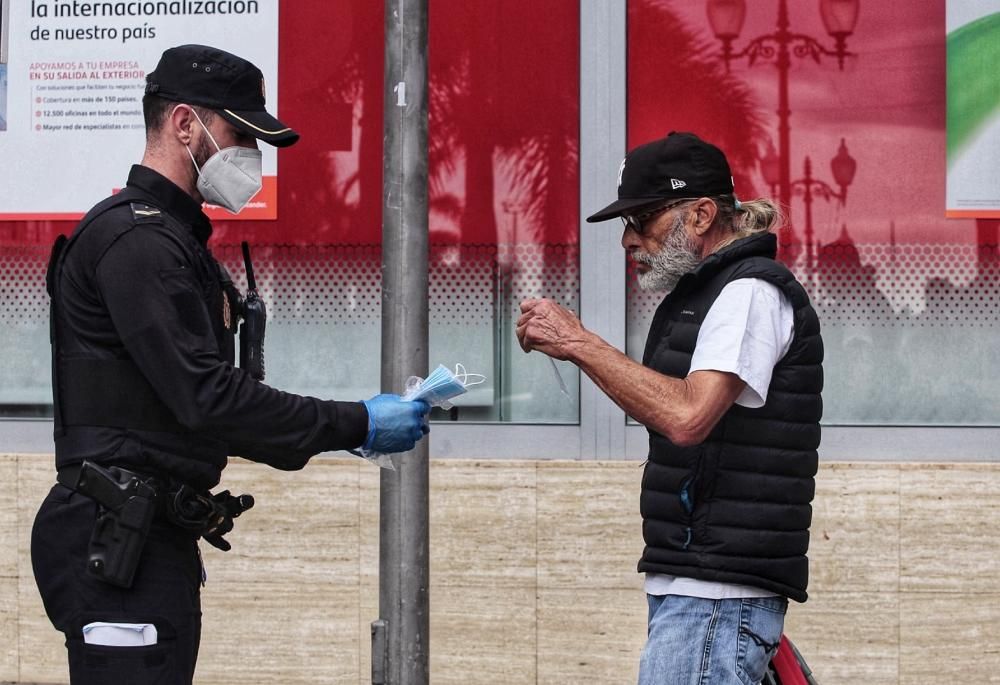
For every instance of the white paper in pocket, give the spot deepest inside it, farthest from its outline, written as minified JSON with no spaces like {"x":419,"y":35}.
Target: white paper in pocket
{"x":119,"y":634}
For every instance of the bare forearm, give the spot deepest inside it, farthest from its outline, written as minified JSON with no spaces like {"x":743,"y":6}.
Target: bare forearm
{"x":661,"y":403}
{"x":683,"y":409}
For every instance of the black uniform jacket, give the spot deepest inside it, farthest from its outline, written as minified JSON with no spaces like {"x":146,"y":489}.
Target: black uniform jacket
{"x":143,"y":371}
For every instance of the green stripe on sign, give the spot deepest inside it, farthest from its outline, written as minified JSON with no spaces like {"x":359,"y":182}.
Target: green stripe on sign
{"x":973,"y":79}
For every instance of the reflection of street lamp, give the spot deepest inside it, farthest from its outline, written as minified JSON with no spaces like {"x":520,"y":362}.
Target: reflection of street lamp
{"x":513,"y":208}
{"x":839,"y":18}
{"x":843,"y":167}
{"x":770,"y":168}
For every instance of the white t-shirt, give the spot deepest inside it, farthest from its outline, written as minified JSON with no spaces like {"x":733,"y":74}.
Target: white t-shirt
{"x":747,"y":331}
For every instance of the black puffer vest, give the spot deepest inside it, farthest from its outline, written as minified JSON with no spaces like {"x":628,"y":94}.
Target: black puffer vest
{"x":736,"y":508}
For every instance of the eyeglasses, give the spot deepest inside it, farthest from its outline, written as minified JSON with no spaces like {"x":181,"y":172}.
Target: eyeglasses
{"x":637,"y":222}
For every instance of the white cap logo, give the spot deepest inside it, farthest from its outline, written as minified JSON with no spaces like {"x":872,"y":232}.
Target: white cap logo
{"x":621,"y":170}
{"x":676,"y":183}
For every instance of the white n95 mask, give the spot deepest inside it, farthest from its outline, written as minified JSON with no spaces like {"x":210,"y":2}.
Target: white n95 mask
{"x":441,"y":385}
{"x":230,"y":177}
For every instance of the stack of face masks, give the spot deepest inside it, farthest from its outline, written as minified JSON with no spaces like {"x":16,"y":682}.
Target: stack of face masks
{"x":440,"y":386}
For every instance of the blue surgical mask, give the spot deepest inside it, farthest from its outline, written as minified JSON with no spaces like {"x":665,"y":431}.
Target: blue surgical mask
{"x":441,"y":385}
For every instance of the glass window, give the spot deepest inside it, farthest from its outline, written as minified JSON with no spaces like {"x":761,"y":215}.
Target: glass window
{"x":908,"y":300}
{"x":504,"y":179}
{"x":504,"y":138}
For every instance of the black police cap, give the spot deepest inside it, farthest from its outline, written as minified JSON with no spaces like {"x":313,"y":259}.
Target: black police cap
{"x":230,"y":85}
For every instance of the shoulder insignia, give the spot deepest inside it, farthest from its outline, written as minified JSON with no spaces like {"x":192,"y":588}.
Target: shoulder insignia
{"x":140,"y":210}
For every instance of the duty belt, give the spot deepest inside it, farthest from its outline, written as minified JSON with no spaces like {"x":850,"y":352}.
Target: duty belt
{"x":69,"y":476}
{"x":120,"y":491}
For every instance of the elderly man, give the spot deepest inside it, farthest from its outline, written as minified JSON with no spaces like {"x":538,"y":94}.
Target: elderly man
{"x":148,"y":401}
{"x":729,"y":391}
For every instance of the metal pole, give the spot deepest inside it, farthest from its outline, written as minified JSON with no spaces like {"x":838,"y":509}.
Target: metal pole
{"x":400,"y":645}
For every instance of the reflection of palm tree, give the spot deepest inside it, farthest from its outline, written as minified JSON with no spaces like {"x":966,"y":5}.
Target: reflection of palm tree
{"x":677,"y":82}
{"x":488,"y":116}
{"x":335,"y":75}
{"x":495,"y":109}
{"x":506,"y":107}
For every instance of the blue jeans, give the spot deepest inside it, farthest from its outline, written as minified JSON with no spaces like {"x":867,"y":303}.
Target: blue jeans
{"x":694,"y":641}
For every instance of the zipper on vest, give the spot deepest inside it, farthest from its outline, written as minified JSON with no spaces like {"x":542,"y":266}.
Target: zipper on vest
{"x":687,"y":501}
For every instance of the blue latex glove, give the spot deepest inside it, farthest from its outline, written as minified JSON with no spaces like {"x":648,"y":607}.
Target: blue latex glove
{"x":394,"y":425}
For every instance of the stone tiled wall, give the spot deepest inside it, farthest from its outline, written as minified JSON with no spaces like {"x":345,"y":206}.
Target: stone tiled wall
{"x":533,"y":575}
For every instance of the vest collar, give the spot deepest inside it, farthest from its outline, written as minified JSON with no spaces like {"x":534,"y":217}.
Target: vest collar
{"x":758,"y":245}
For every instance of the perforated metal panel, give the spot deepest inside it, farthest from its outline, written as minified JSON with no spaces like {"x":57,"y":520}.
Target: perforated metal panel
{"x":908,"y":329}
{"x":886,"y":285}
{"x":324,"y":309}
{"x":24,"y":327}
{"x":908,"y":285}
{"x":341,"y":284}
{"x":23,"y":300}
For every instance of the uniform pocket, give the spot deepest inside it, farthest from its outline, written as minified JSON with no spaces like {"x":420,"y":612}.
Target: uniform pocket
{"x":146,"y":665}
{"x":185,"y":294}
{"x":170,"y":661}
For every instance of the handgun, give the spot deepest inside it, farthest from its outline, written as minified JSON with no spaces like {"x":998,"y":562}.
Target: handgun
{"x":254,"y":323}
{"x":128,"y":505}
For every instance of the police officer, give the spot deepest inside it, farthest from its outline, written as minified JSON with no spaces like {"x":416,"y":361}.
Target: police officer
{"x":148,"y":402}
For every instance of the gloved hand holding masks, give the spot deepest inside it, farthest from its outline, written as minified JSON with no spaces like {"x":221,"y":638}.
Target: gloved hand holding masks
{"x":394,"y":425}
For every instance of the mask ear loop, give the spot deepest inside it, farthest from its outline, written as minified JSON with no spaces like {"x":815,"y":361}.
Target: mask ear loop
{"x":210,"y":136}
{"x":188,"y":147}
{"x":463,"y":376}
{"x":196,"y":167}
{"x":559,"y":378}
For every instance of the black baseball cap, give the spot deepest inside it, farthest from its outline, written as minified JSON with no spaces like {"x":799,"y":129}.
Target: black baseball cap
{"x":680,"y":165}
{"x":230,"y":85}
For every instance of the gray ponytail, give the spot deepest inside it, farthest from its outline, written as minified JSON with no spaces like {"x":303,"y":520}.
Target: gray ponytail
{"x":745,"y":218}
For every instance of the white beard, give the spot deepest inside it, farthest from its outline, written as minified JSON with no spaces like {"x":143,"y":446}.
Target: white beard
{"x":678,"y":254}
